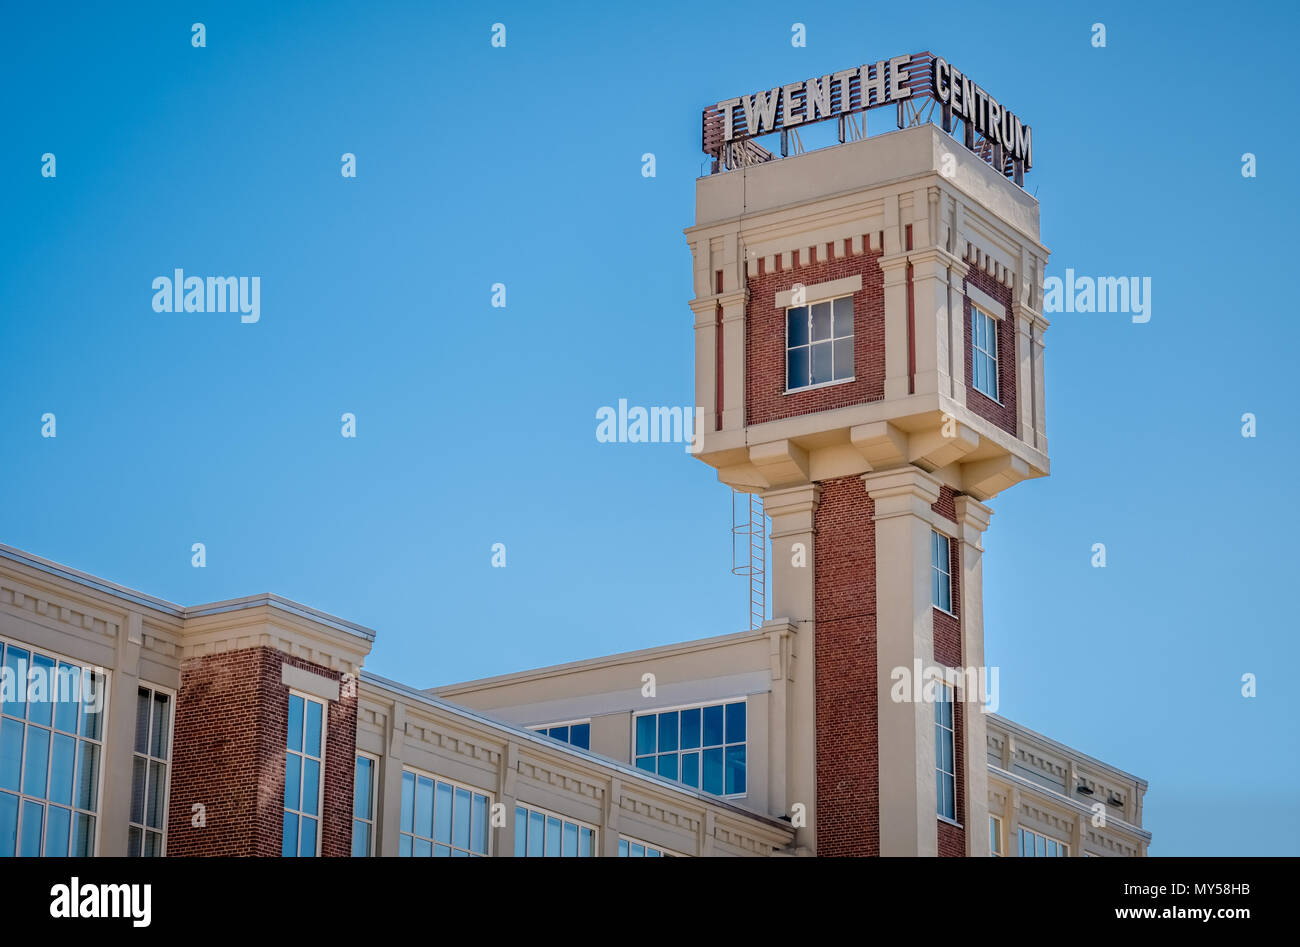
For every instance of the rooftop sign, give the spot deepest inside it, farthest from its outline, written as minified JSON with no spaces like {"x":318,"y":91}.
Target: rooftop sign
{"x":917,"y":85}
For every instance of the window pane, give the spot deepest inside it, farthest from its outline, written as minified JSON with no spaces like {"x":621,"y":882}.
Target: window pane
{"x":292,"y":780}
{"x":310,"y":786}
{"x":844,"y":359}
{"x":713,"y":725}
{"x":142,"y":720}
{"x":87,"y":776}
{"x":478,"y":825}
{"x":536,"y":831}
{"x":796,"y":326}
{"x":638,"y":851}
{"x":442,"y":814}
{"x":713,"y":770}
{"x":83,"y":835}
{"x":735,"y":770}
{"x":423,"y":848}
{"x":843,"y":316}
{"x":41,"y":707}
{"x":552,"y":837}
{"x":570,"y":849}
{"x":821,"y":363}
{"x":157,"y":783}
{"x":361,"y":789}
{"x":11,"y":754}
{"x":133,"y":842}
{"x":559,"y":733}
{"x":580,"y":735}
{"x":584,"y":842}
{"x":8,"y":824}
{"x":307,"y":839}
{"x":161,"y":740}
{"x":424,"y":807}
{"x":33,"y":816}
{"x":668,"y":766}
{"x":408,"y":802}
{"x":441,"y":851}
{"x":691,"y":728}
{"x":668,"y":731}
{"x":691,"y":769}
{"x":622,"y":849}
{"x":796,"y":368}
{"x":65,"y":712}
{"x":152,"y":845}
{"x":1040,"y":847}
{"x":360,"y":839}
{"x":521,"y":832}
{"x":312,"y":738}
{"x":16,"y":663}
{"x":404,"y":847}
{"x":58,"y":830}
{"x":646,"y":763}
{"x":736,"y":723}
{"x":645,"y":734}
{"x":295,"y":722}
{"x":460,"y":837}
{"x":289,"y":841}
{"x":37,"y":761}
{"x":821,"y":321}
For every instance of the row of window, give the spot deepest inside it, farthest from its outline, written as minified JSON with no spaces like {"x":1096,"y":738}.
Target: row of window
{"x":1032,"y":844}
{"x":819,"y":346}
{"x":51,"y":749}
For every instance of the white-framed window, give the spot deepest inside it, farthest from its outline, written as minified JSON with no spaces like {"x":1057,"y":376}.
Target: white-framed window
{"x":363,"y":806}
{"x":702,"y":746}
{"x":573,"y":732}
{"x":945,"y":752}
{"x":632,"y":848}
{"x":940,"y":571}
{"x":304,"y":776}
{"x":441,"y":818}
{"x":543,"y":834}
{"x":984,"y":352}
{"x":819,"y":343}
{"x":147,"y":828}
{"x":995,"y":836}
{"x":51,"y":747}
{"x":1034,"y":845}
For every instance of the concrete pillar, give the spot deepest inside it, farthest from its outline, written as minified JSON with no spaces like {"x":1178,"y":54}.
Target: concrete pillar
{"x":905,"y":635}
{"x":972,"y":521}
{"x":388,"y":802}
{"x":706,"y":359}
{"x":119,"y":731}
{"x":733,"y":360}
{"x":793,"y":512}
{"x":932,"y":333}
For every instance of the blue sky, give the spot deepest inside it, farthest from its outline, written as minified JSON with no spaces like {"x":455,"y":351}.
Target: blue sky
{"x":476,"y":425}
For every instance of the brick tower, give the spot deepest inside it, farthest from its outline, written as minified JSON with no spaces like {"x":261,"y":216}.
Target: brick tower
{"x":869,"y":359}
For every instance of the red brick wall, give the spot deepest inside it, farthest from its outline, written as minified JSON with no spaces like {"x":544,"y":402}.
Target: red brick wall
{"x":765,"y":397}
{"x":229,"y":751}
{"x":948,"y":652}
{"x":847,"y":752}
{"x":1004,"y":414}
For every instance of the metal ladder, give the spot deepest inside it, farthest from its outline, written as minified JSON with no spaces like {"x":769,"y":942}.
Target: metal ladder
{"x":749,"y":551}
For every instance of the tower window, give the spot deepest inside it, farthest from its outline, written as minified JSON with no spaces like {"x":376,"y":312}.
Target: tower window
{"x":304,"y":786}
{"x":701,"y":746}
{"x":940,"y":574}
{"x":984,"y":352}
{"x":945,"y":753}
{"x":819,"y":343}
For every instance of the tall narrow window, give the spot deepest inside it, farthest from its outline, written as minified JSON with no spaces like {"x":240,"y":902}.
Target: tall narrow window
{"x":940,"y":571}
{"x":146,"y":832}
{"x":995,"y":836}
{"x":304,"y":765}
{"x":819,"y":343}
{"x":984,"y":352}
{"x":51,"y":742}
{"x":945,"y":754}
{"x":363,"y":808}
